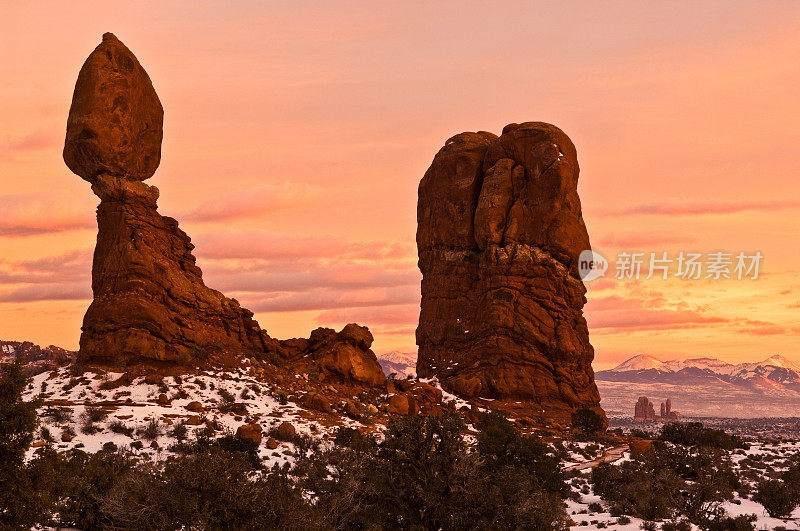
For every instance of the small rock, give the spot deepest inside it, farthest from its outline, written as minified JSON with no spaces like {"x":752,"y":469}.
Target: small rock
{"x":250,"y":431}
{"x":153,"y":379}
{"x":320,"y":403}
{"x":163,"y":399}
{"x":66,"y":437}
{"x":272,"y":443}
{"x":194,"y":420}
{"x":286,"y":431}
{"x":398,"y":405}
{"x":154,"y":445}
{"x":352,"y":409}
{"x":195,"y":406}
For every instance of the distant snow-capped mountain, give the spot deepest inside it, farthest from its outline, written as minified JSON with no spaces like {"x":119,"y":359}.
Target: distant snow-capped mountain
{"x":37,"y":359}
{"x":402,"y":364}
{"x":704,"y":386}
{"x":643,"y":368}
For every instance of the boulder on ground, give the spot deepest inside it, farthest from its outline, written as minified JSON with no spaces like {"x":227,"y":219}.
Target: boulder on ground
{"x":251,"y":432}
{"x":286,"y":431}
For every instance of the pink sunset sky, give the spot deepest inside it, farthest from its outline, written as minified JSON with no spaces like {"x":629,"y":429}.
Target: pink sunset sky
{"x":296,"y":134}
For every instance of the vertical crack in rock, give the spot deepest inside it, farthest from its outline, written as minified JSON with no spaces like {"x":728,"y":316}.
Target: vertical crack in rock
{"x":499,"y":234}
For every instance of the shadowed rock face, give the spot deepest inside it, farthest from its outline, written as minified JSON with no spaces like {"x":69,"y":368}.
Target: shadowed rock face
{"x":150,"y":303}
{"x":499,"y":235}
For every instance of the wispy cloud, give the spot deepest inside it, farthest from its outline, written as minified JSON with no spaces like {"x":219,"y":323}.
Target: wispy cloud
{"x":28,"y":215}
{"x":695,"y":208}
{"x":254,"y":202}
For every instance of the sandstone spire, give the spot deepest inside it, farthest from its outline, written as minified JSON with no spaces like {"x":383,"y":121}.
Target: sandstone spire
{"x":499,"y":235}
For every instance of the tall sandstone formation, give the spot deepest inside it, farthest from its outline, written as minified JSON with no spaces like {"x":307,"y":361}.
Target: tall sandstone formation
{"x":150,"y":303}
{"x":499,"y":235}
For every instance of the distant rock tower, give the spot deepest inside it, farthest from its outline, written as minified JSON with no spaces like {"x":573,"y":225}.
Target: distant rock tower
{"x":499,"y":234}
{"x":643,"y":410}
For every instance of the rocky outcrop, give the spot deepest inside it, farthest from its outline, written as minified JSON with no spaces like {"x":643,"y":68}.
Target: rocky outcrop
{"x":35,"y":359}
{"x":150,"y":302}
{"x":499,"y":235}
{"x":344,"y":356}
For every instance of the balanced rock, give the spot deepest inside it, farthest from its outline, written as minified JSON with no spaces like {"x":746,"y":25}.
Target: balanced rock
{"x":115,"y":122}
{"x":499,"y":235}
{"x":150,"y":302}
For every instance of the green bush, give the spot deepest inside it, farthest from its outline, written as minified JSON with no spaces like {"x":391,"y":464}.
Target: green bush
{"x":695,"y":434}
{"x":422,"y":476}
{"x":776,"y":497}
{"x":587,"y":421}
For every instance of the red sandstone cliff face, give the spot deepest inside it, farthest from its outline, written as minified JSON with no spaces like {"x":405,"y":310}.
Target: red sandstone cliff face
{"x":150,"y":303}
{"x":499,"y":234}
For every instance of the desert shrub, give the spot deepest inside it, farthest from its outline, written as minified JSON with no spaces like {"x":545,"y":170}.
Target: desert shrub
{"x":180,"y":431}
{"x":677,"y":525}
{"x":120,"y":428}
{"x":95,"y":413}
{"x":668,"y":481}
{"x":595,"y":507}
{"x":89,"y":428}
{"x":18,"y":418}
{"x":642,"y":487}
{"x":352,"y":438}
{"x":151,"y":431}
{"x":281,"y":396}
{"x":726,"y":523}
{"x":245,"y":448}
{"x":59,"y":415}
{"x":227,"y":402}
{"x":18,"y":422}
{"x":71,"y":384}
{"x":213,"y":490}
{"x":422,"y":476}
{"x":503,"y":448}
{"x":776,"y":497}
{"x":587,"y":421}
{"x":695,"y":434}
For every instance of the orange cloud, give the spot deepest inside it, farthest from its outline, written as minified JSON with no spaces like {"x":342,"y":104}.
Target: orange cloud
{"x":702,"y":208}
{"x":28,"y":215}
